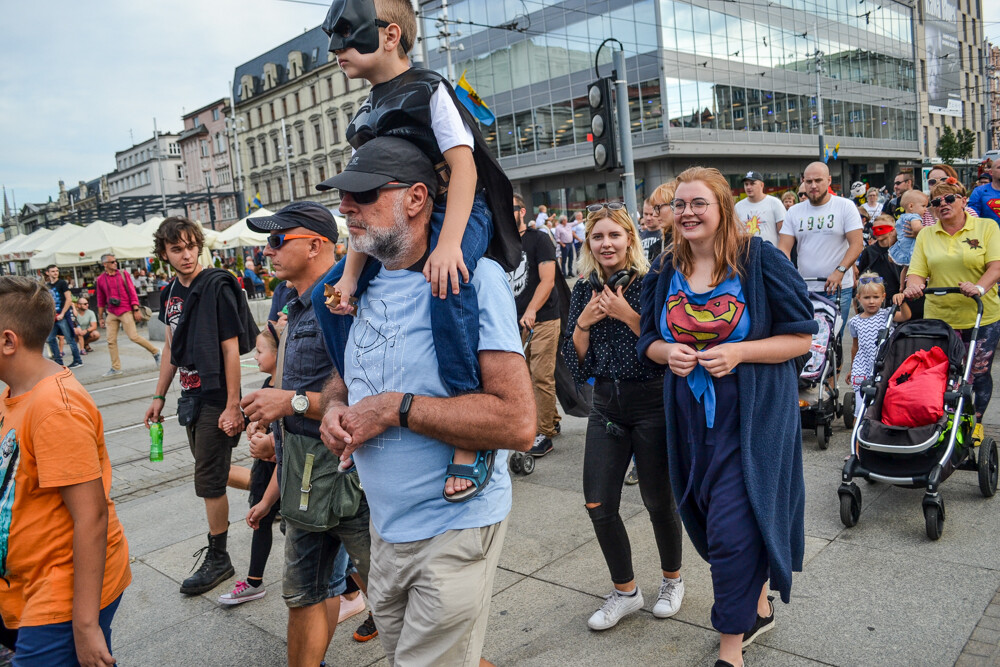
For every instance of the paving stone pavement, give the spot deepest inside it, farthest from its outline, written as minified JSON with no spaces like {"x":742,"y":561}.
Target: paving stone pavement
{"x":880,"y":593}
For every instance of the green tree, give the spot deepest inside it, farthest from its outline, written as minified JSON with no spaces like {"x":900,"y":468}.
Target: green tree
{"x":947,"y":146}
{"x":951,"y":147}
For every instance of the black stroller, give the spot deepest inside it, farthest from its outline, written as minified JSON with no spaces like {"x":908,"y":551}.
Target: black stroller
{"x":925,"y":456}
{"x":819,"y":395}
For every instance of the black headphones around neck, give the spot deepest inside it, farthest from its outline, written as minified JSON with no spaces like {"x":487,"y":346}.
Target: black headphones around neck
{"x":617,"y":279}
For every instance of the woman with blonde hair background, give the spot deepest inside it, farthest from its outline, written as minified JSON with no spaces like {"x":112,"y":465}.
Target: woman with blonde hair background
{"x":627,"y":416}
{"x":727,"y":312}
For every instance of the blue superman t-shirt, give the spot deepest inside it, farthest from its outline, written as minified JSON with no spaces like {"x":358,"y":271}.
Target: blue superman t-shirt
{"x":702,"y":321}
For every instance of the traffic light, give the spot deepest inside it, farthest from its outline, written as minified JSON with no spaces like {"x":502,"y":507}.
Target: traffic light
{"x":602,"y":124}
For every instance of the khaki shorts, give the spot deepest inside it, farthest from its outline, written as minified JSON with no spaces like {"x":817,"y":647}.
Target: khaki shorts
{"x":431,"y":598}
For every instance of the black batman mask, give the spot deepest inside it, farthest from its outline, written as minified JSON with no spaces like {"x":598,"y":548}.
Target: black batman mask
{"x":352,"y":24}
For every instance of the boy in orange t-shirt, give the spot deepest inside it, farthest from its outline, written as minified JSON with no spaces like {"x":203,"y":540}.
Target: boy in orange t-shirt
{"x":63,"y":554}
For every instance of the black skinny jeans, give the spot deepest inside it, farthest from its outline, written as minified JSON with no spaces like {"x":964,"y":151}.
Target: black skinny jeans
{"x":637,"y":409}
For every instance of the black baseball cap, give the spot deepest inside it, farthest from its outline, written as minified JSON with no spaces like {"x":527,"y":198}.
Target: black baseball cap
{"x":308,"y":214}
{"x":753,"y":176}
{"x":381,"y":161}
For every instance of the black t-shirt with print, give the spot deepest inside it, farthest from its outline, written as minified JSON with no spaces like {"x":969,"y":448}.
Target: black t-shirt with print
{"x":226,"y":320}
{"x":652,"y":243}
{"x":58,"y":290}
{"x":536,"y":248}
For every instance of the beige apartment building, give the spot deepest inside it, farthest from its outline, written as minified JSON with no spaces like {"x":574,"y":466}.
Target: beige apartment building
{"x":293,"y":105}
{"x":951,"y":63}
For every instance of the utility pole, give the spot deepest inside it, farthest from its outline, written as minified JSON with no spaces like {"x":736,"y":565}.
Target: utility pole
{"x":159,"y":165}
{"x":287,"y":148}
{"x":234,"y":124}
{"x":625,"y":131}
{"x":819,"y":101}
{"x":444,"y":33}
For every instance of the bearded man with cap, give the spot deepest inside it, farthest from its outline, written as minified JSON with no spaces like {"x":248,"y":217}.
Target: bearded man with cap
{"x":301,"y":245}
{"x":762,"y":214}
{"x":433,"y":561}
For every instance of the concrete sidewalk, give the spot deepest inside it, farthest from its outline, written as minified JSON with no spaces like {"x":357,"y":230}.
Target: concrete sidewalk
{"x":877,"y":594}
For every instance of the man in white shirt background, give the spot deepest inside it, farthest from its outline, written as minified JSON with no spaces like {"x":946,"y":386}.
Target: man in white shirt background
{"x":762,"y":214}
{"x":826,"y":231}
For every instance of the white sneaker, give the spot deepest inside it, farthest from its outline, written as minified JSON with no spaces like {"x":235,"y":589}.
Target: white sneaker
{"x":350,"y":608}
{"x":243,"y":592}
{"x":671,"y":595}
{"x":616,"y":606}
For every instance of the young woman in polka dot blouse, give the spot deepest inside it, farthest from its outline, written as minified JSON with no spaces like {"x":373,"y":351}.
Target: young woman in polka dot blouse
{"x":627,"y":416}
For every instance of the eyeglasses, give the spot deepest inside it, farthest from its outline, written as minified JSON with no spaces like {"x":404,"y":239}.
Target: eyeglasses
{"x":366,"y":197}
{"x":899,"y":182}
{"x":277,"y":240}
{"x":111,"y":261}
{"x":877,"y":280}
{"x":658,"y":207}
{"x":933,"y":181}
{"x":948,"y":199}
{"x":802,"y":195}
{"x":611,"y":206}
{"x":698,"y":206}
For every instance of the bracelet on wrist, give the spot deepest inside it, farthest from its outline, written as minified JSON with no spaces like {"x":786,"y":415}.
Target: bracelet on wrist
{"x":162,"y":398}
{"x":582,"y":328}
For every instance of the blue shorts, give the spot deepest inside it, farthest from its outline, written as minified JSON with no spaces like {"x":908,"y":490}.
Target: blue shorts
{"x":52,"y":645}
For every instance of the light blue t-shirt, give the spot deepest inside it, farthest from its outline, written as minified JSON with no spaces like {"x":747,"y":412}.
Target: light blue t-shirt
{"x":391,"y":348}
{"x":901,"y":251}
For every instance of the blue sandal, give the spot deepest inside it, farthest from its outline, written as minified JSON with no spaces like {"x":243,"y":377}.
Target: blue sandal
{"x":479,"y":473}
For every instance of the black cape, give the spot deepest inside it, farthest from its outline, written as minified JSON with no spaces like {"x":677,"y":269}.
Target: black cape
{"x":401,"y":108}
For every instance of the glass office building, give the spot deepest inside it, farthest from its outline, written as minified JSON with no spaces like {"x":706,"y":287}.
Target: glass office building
{"x":724,"y":83}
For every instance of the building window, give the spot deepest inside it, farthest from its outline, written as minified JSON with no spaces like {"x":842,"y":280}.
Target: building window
{"x":322,"y":173}
{"x":305,"y":183}
{"x":267,"y":187}
{"x":197,"y":121}
{"x":329,"y":87}
{"x":302,"y":140}
{"x":334,"y":132}
{"x":281,"y":190}
{"x":228,"y":209}
{"x":312,"y":95}
{"x":298,"y":104}
{"x":220,"y":142}
{"x":215,"y":114}
{"x":337,"y":168}
{"x":204,"y":148}
{"x":317,"y":136}
{"x":284,"y":107}
{"x":180,"y":172}
{"x":263,"y":153}
{"x":271,"y":107}
{"x":277,"y":150}
{"x":260,"y":116}
{"x":291,"y":185}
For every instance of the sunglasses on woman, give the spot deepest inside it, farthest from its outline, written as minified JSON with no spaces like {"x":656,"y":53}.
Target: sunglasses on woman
{"x":277,"y":240}
{"x":947,"y":199}
{"x":611,"y":206}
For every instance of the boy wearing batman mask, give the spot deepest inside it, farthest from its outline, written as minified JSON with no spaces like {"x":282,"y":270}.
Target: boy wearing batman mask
{"x":371,"y":39}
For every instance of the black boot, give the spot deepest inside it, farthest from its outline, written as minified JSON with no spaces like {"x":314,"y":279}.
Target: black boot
{"x":215,"y":569}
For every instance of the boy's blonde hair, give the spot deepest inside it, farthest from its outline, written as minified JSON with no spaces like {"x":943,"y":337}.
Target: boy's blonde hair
{"x":884,"y":219}
{"x":401,"y":13}
{"x":27,"y":309}
{"x":867,"y":287}
{"x":913,"y":197}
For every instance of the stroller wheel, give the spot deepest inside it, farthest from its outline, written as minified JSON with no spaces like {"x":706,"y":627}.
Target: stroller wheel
{"x":516,"y":462}
{"x":850,"y":509}
{"x":934,"y":520}
{"x":823,"y":433}
{"x":988,"y":467}
{"x":528,"y":464}
{"x":848,"y":409}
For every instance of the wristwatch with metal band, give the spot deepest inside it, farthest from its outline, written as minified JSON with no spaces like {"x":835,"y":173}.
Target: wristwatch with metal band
{"x":300,"y":402}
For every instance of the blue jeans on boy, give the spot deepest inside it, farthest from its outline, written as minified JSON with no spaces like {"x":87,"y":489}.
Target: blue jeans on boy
{"x":343,"y":567}
{"x":64,"y":328}
{"x":455,"y":319}
{"x":47,"y":645}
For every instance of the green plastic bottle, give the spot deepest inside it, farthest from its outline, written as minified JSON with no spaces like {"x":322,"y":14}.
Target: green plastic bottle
{"x":156,"y":442}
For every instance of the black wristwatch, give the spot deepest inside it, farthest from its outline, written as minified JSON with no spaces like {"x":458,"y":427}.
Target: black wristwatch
{"x":404,"y":409}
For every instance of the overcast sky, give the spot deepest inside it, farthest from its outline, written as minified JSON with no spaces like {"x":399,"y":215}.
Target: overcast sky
{"x":76,"y":77}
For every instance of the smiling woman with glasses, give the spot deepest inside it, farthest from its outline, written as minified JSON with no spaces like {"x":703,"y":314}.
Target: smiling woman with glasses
{"x":725,"y":312}
{"x":964,"y":251}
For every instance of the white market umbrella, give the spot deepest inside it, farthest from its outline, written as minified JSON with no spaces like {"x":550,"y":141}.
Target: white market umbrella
{"x":96,"y":239}
{"x":64,"y":236}
{"x":21,"y":247}
{"x":240,"y":233}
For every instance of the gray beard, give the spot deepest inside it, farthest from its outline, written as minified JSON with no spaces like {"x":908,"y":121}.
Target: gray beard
{"x":386,"y":245}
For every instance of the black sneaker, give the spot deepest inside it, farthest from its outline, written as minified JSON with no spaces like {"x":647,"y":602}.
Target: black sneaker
{"x":366,"y":630}
{"x":216,"y":568}
{"x":542,"y":446}
{"x":760,"y":626}
{"x":723,"y":663}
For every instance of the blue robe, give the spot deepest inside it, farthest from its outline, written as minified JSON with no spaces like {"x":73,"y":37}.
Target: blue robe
{"x":770,"y":430}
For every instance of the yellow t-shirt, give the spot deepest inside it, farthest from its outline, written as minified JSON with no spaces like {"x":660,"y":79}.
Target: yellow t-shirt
{"x":50,"y":437}
{"x":947,"y":260}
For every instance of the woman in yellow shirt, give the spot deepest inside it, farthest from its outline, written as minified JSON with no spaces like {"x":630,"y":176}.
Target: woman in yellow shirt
{"x":960,"y":250}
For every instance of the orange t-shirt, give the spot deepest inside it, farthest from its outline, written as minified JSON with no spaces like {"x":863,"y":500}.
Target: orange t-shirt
{"x":51,"y":436}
